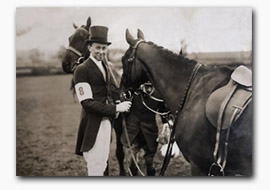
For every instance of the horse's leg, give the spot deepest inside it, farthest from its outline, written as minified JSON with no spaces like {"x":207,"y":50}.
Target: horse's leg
{"x":195,"y":169}
{"x":149,"y":134}
{"x":119,"y":146}
{"x":149,"y":160}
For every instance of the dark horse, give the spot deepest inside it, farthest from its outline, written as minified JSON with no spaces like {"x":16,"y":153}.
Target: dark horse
{"x":75,"y":54}
{"x":186,"y":87}
{"x":77,"y":49}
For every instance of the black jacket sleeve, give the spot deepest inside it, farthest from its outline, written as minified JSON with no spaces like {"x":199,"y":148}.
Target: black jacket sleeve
{"x":91,"y":105}
{"x":96,"y":107}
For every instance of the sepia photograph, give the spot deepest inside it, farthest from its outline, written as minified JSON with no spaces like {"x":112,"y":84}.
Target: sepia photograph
{"x":134,"y":91}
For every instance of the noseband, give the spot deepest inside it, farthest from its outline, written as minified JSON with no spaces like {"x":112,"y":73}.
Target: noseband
{"x":72,"y":49}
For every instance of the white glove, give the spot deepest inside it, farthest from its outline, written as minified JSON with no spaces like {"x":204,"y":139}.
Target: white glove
{"x":123,"y":106}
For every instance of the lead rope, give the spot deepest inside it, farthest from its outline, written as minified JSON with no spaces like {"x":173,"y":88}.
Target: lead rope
{"x":130,"y":150}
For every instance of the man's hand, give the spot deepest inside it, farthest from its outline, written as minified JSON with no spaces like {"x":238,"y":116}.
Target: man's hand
{"x":123,"y":106}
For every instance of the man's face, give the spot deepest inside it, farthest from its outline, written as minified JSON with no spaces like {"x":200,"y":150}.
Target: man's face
{"x":98,"y":51}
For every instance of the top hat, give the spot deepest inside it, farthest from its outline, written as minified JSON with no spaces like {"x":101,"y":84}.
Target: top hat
{"x":98,"y":34}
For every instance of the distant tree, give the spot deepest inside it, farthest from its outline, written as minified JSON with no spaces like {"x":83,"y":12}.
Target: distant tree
{"x":35,"y":57}
{"x":60,"y":53}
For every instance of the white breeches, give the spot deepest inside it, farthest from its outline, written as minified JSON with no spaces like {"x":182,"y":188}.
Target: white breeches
{"x":97,"y":157}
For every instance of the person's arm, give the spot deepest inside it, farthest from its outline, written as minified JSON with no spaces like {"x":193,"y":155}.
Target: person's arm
{"x":85,"y":96}
{"x":90,"y":105}
{"x":97,"y":107}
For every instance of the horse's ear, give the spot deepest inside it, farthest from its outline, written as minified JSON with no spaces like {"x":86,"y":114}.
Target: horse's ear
{"x":181,"y":52}
{"x":88,"y":23}
{"x":75,"y":26}
{"x":140,"y":34}
{"x":130,"y":40}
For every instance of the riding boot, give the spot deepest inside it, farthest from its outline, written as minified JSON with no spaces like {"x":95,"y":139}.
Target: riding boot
{"x":149,"y":165}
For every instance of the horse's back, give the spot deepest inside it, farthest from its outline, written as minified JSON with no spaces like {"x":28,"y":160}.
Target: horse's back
{"x":197,"y":135}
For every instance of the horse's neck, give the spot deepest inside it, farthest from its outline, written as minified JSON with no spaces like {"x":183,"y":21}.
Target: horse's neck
{"x":169,"y":78}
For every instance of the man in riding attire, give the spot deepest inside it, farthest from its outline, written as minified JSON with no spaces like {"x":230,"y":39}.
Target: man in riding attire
{"x":92,"y":85}
{"x":141,"y":126}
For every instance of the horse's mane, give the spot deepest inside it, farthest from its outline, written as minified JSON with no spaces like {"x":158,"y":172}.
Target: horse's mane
{"x":171,"y":56}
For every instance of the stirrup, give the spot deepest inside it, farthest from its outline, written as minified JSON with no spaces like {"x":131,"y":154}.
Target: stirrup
{"x":216,"y":167}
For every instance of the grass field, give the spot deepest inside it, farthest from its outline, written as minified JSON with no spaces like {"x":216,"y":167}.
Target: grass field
{"x":47,"y":118}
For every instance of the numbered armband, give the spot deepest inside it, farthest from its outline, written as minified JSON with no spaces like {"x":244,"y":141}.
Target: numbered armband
{"x":83,"y":91}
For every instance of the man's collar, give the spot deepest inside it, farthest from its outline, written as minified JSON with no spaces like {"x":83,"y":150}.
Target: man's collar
{"x":93,"y":59}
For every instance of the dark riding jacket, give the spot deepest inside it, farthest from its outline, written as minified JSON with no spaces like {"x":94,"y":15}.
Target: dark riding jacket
{"x":93,"y":109}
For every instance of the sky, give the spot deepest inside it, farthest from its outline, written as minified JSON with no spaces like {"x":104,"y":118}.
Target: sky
{"x":202,"y":29}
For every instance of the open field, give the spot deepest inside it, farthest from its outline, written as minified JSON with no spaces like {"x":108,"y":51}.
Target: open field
{"x":47,"y":118}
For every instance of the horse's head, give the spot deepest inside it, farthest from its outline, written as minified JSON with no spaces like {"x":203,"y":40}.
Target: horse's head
{"x":133,"y":72}
{"x":77,"y":49}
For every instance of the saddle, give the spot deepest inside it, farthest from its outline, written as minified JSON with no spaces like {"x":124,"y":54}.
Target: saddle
{"x":225,"y":105}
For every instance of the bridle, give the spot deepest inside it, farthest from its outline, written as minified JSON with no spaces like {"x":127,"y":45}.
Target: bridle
{"x":78,"y":53}
{"x":80,"y":57}
{"x":128,"y":95}
{"x":132,"y":60}
{"x":173,"y":116}
{"x":142,"y":89}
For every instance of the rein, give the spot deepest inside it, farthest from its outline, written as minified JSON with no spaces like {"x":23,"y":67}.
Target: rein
{"x":152,"y":110}
{"x":174,"y":118}
{"x":130,"y":149}
{"x":140,"y":93}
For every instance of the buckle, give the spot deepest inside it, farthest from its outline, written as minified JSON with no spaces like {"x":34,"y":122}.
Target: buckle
{"x":147,"y":88}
